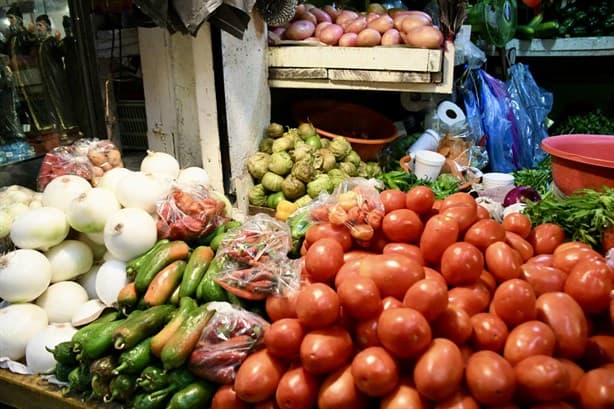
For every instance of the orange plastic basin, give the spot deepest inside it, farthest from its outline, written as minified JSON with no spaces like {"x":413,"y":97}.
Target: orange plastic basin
{"x":581,"y":161}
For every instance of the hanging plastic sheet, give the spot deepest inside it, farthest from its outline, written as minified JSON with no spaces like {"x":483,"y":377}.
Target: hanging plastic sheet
{"x":161,"y":14}
{"x":489,"y":113}
{"x":530,"y":105}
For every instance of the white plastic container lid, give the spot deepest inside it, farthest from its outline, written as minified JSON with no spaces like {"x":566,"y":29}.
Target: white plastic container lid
{"x":494,"y":179}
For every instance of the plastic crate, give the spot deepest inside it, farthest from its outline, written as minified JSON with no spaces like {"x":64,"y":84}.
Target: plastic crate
{"x":132,"y":124}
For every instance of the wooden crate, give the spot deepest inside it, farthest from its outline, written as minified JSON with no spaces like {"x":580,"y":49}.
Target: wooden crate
{"x":395,"y":68}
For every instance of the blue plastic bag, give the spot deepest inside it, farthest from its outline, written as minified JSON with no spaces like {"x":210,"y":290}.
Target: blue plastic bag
{"x":531,"y":105}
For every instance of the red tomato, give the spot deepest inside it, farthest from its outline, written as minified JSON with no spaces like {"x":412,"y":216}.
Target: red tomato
{"x":489,"y":281}
{"x":590,"y":284}
{"x":519,"y":244}
{"x":348,"y":269}
{"x":404,"y":332}
{"x":460,"y":400}
{"x":542,"y":259}
{"x":439,"y":232}
{"x":434,"y":275}
{"x":465,"y":215}
{"x":599,"y":351}
{"x":267,"y":404}
{"x":410,"y":250}
{"x":542,"y":378}
{"x":527,"y":339}
{"x":226,"y":398}
{"x":283,"y":338}
{"x":482,"y":213}
{"x":360,"y":297}
{"x":456,"y":199}
{"x":429,"y":297}
{"x":402,"y":225}
{"x":461,"y":263}
{"x":483,"y":233}
{"x":517,"y":223}
{"x":393,"y":273}
{"x":420,"y":199}
{"x":514,"y":302}
{"x":532,"y":4}
{"x":439,"y":371}
{"x":355,"y":255}
{"x":404,"y":396}
{"x":323,"y":259}
{"x":542,"y":278}
{"x":392,"y":199}
{"x":490,"y":378}
{"x":297,"y":389}
{"x":596,"y":389}
{"x":278,"y":307}
{"x":453,"y":324}
{"x":339,"y":391}
{"x":375,"y":371}
{"x":365,"y":333}
{"x":390,"y":302}
{"x":473,"y":298}
{"x":566,"y":258}
{"x":325,"y":350}
{"x":503,"y":262}
{"x":328,"y":230}
{"x":317,"y":305}
{"x":546,"y":237}
{"x":258,"y":376}
{"x":489,"y":332}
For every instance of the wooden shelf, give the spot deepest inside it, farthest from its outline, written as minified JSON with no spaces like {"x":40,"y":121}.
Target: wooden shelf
{"x":370,"y":68}
{"x":563,"y":47}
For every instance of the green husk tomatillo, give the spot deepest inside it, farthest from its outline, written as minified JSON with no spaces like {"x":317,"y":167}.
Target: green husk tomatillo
{"x":292,"y":187}
{"x":258,"y":164}
{"x":257,"y":195}
{"x":281,"y":163}
{"x":272,"y":181}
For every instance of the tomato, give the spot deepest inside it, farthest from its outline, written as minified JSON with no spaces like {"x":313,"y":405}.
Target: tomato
{"x":568,"y":322}
{"x":278,"y":307}
{"x":459,"y":198}
{"x":439,"y":233}
{"x":267,"y":404}
{"x":527,"y":339}
{"x":489,"y":332}
{"x":391,"y":302}
{"x":490,"y":378}
{"x":461,"y":263}
{"x":599,"y":351}
{"x":453,"y":324}
{"x":465,"y":215}
{"x":542,"y":378}
{"x":483,"y":233}
{"x":258,"y":376}
{"x":404,"y":332}
{"x":355,"y":255}
{"x":542,"y":259}
{"x":514,"y":302}
{"x":375,"y":371}
{"x":226,"y":398}
{"x":323,"y":259}
{"x":575,"y":374}
{"x":375,"y":244}
{"x":590,"y":284}
{"x":404,"y":396}
{"x":410,"y":250}
{"x":482,"y":213}
{"x":542,"y":278}
{"x":596,"y":389}
{"x":429,"y":297}
{"x":365,"y":333}
{"x":327,"y":230}
{"x":434,"y":275}
{"x":460,"y":400}
{"x":532,"y":4}
{"x":489,"y":281}
{"x":349,"y":269}
{"x":420,"y":199}
{"x":503,"y":262}
{"x":393,"y":273}
{"x":567,"y":258}
{"x":438,"y":373}
{"x":546,"y":237}
{"x":571,"y":244}
{"x":392,"y":199}
{"x":317,"y":305}
{"x":472,"y":298}
{"x":519,"y":244}
{"x":297,"y":389}
{"x":325,"y":350}
{"x":360,"y":297}
{"x":517,"y":223}
{"x":402,"y":225}
{"x":339,"y":391}
{"x":283,"y":338}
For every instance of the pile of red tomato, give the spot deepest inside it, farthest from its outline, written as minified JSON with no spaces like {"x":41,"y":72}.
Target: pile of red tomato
{"x":442,"y":308}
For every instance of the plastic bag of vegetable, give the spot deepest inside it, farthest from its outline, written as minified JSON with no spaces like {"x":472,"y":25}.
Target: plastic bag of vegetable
{"x":229,"y":336}
{"x":253,"y":259}
{"x":188,"y":212}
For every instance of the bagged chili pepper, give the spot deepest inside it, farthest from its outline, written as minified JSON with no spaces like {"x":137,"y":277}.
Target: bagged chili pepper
{"x":253,"y":259}
{"x":227,"y":339}
{"x":189,"y":211}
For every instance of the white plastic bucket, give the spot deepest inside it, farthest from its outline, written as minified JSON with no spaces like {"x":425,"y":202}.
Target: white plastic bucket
{"x":496,"y":179}
{"x":428,"y":164}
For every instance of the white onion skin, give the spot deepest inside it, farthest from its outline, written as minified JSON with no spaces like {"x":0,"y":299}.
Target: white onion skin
{"x":69,"y":259}
{"x":160,"y":163}
{"x":142,"y":190}
{"x":129,"y":233}
{"x":193,"y":176}
{"x":40,"y":228}
{"x":111,"y":178}
{"x":88,"y":212}
{"x":24,"y":275}
{"x":61,"y":190}
{"x":61,"y":300}
{"x":19,"y":323}
{"x":110,"y":279}
{"x":38,"y":358}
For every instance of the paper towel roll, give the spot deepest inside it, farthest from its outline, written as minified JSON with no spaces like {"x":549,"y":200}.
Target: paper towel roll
{"x":450,"y":114}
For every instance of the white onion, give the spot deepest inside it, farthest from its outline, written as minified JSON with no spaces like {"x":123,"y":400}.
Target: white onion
{"x":129,"y":233}
{"x":61,"y":300}
{"x":88,"y":312}
{"x":18,"y":208}
{"x":19,"y":323}
{"x":38,"y":358}
{"x":97,"y":248}
{"x":6,"y":221}
{"x":40,"y":228}
{"x":110,"y":279}
{"x":193,"y":176}
{"x":97,"y":238}
{"x":35,"y":204}
{"x":160,"y":163}
{"x":19,"y":194}
{"x":111,"y":178}
{"x":61,"y":190}
{"x":24,"y":275}
{"x":88,"y":281}
{"x":89,"y":211}
{"x":69,"y":259}
{"x":142,"y":190}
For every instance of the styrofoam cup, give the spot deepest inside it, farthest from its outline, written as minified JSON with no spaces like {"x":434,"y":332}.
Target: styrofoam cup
{"x":428,"y":164}
{"x":496,"y":179}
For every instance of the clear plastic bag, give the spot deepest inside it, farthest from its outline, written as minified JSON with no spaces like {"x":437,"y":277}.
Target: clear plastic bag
{"x":227,"y":339}
{"x":530,"y":105}
{"x":253,"y":259}
{"x":188,"y":212}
